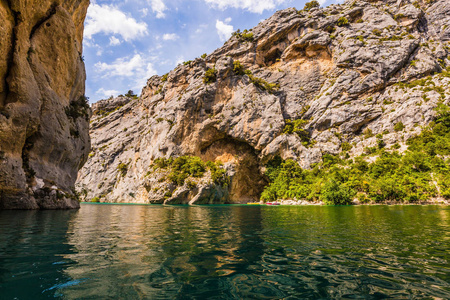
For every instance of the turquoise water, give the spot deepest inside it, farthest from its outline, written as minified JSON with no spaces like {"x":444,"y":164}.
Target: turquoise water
{"x":226,"y":252}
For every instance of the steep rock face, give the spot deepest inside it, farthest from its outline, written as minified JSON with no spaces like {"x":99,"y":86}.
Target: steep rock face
{"x":299,"y":85}
{"x":44,"y":115}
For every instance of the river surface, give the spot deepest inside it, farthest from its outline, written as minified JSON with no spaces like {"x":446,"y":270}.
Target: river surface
{"x":226,"y":252}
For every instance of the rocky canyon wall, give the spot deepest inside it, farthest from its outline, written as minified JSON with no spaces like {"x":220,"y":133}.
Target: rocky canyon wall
{"x":44,"y":114}
{"x":300,"y":85}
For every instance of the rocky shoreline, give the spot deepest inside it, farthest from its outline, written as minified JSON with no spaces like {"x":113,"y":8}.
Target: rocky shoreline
{"x":306,"y":203}
{"x":441,"y":202}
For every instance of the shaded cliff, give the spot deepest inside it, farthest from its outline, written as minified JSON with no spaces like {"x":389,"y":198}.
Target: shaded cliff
{"x":299,"y":85}
{"x":44,"y":115}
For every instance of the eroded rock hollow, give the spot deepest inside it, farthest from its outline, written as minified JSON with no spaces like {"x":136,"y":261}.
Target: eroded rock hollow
{"x":44,"y":114}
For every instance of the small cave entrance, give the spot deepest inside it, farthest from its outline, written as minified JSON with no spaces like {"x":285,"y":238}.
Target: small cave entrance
{"x":356,"y":15}
{"x":272,"y":57}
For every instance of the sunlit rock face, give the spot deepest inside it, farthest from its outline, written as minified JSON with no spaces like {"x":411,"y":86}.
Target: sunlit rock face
{"x":308,"y":83}
{"x":44,"y":115}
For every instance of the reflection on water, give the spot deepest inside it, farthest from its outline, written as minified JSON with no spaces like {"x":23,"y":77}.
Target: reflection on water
{"x":32,"y":249}
{"x":226,"y":252}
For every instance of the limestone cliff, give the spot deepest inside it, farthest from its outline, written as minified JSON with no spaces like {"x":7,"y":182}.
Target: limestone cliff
{"x":301,"y":84}
{"x":44,"y":115}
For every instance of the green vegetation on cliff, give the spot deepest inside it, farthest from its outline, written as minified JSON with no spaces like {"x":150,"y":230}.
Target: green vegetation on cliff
{"x":210,"y":76}
{"x":184,"y":167}
{"x":244,"y":36}
{"x":311,"y":5}
{"x":419,"y":174}
{"x":240,"y":70}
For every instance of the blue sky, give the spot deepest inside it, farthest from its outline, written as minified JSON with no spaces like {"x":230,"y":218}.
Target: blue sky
{"x":128,"y":41}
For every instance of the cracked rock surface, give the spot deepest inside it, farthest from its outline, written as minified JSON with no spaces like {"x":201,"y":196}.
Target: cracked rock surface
{"x":347,"y":81}
{"x":44,"y":116}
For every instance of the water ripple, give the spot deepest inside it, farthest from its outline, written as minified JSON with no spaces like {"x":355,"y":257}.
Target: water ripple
{"x":226,"y":252}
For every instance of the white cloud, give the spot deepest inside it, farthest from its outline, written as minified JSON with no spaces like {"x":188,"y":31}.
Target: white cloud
{"x":144,"y":12}
{"x":113,"y":41}
{"x":108,"y":19}
{"x":180,"y":60}
{"x":202,"y":27}
{"x":106,"y":93}
{"x":158,"y":7}
{"x":137,"y":69}
{"x":255,"y":6}
{"x":170,"y":37}
{"x":224,"y":30}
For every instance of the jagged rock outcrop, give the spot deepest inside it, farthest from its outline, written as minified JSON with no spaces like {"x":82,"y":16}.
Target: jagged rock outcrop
{"x":299,"y":85}
{"x":44,"y":115}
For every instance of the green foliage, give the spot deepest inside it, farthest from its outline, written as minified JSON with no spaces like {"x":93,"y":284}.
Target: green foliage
{"x":244,"y":36}
{"x":391,"y":38}
{"x":162,"y":163}
{"x":167,"y":195}
{"x":342,"y":21}
{"x":95,"y":200}
{"x":294,"y":126}
{"x":103,"y":113}
{"x":297,"y":126}
{"x":368,"y":133}
{"x":286,"y":178}
{"x":346,"y":146}
{"x":335,"y":193}
{"x":443,"y":114}
{"x":204,"y":55}
{"x":311,"y":5}
{"x":78,"y":108}
{"x":184,"y":167}
{"x":238,"y":69}
{"x":409,"y":177}
{"x":426,"y":85}
{"x":380,"y":142}
{"x":159,"y":90}
{"x":123,"y":169}
{"x":399,"y":126}
{"x":191,"y":184}
{"x":247,"y":36}
{"x":262,"y":84}
{"x":131,"y":94}
{"x":330,"y":29}
{"x":376,"y":32}
{"x":218,"y":173}
{"x":398,"y":16}
{"x":164,"y":77}
{"x":210,"y":76}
